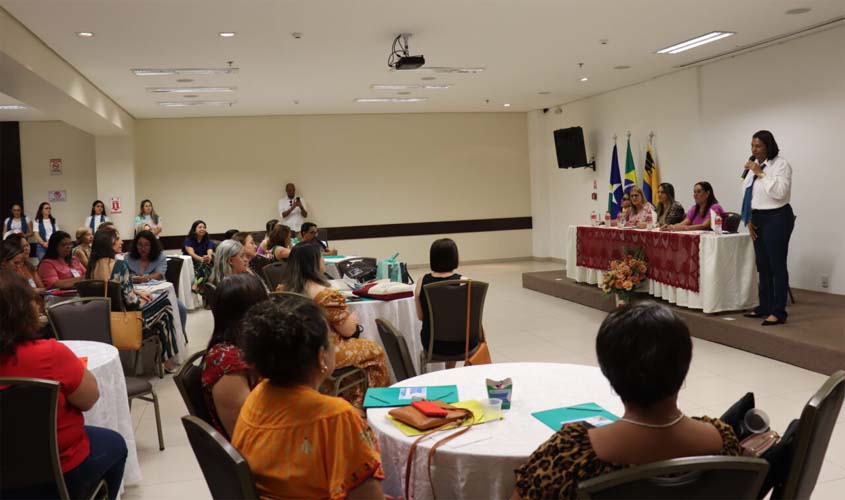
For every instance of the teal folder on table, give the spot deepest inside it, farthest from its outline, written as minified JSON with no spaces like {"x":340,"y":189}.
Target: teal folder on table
{"x":385,"y":397}
{"x":557,"y":417}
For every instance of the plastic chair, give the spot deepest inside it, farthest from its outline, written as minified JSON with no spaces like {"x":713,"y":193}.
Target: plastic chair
{"x":812,"y":438}
{"x":273,"y":274}
{"x":447,"y":313}
{"x":730,"y":222}
{"x":29,"y":449}
{"x":709,"y":477}
{"x":396,"y":349}
{"x":359,"y":268}
{"x":225,"y":470}
{"x":82,"y":319}
{"x":189,"y":383}
{"x":174,"y":272}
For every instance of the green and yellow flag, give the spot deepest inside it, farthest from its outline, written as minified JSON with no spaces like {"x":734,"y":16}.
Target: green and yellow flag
{"x":630,"y":169}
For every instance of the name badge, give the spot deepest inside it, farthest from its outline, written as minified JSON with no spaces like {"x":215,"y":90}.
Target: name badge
{"x":75,"y":273}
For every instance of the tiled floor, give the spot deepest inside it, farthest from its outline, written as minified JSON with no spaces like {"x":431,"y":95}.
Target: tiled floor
{"x":522,"y":325}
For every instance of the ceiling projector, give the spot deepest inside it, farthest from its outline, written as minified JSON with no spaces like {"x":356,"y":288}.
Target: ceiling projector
{"x":409,"y":62}
{"x":400,"y":55}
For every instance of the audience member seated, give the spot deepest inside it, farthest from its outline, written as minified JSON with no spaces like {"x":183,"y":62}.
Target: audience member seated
{"x":58,"y":268}
{"x":146,"y":260}
{"x":148,"y":215}
{"x":229,"y":260}
{"x":82,"y":250}
{"x":256,"y":262}
{"x":43,"y":228}
{"x":443,"y":260}
{"x":309,"y":237}
{"x":201,"y":250}
{"x":300,"y":443}
{"x":27,"y":248}
{"x":669,"y":211}
{"x":279,"y":243}
{"x":231,"y":232}
{"x":263,"y":247}
{"x":305,"y":274}
{"x":16,"y":222}
{"x":640,"y":211}
{"x":698,"y":216}
{"x":14,"y":259}
{"x":226,"y":379}
{"x":97,"y":217}
{"x":156,"y":310}
{"x":644,"y":350}
{"x":87,"y":454}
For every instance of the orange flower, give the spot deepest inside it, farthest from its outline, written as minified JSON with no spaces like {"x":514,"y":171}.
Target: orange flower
{"x":628,"y":285}
{"x":619,"y":283}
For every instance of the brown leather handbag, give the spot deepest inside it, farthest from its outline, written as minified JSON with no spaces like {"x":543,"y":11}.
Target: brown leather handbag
{"x":127,"y":327}
{"x":482,"y":354}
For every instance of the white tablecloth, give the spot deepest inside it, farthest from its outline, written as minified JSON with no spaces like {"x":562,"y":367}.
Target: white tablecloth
{"x":186,"y":280}
{"x":727,"y":280}
{"x":167,"y":287}
{"x":480,"y":463}
{"x":401,"y":313}
{"x":112,"y":409}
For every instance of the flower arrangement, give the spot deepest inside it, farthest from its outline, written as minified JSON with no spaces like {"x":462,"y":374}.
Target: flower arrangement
{"x":625,"y":274}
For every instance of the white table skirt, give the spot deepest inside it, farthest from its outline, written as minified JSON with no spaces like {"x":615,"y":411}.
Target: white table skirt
{"x":727,"y":279}
{"x":167,"y":287}
{"x":480,"y":463}
{"x":112,"y":409}
{"x":186,"y":280}
{"x":401,"y":313}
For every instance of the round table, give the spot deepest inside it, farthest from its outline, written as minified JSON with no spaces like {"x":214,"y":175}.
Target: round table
{"x":480,"y":463}
{"x":111,"y":411}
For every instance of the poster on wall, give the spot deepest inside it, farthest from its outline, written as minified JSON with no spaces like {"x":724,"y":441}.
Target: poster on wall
{"x":56,"y":166}
{"x":54,"y":196}
{"x":115,"y":205}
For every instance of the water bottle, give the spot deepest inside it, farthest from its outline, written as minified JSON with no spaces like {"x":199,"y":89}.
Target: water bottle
{"x":649,"y":221}
{"x":594,"y":219}
{"x":717,"y":224}
{"x":607,"y":218}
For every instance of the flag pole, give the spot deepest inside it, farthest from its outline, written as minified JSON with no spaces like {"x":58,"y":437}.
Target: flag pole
{"x":651,"y":137}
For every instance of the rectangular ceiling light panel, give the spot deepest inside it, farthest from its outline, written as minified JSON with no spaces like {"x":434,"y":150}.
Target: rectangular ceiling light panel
{"x":184,"y":71}
{"x":696,"y":42}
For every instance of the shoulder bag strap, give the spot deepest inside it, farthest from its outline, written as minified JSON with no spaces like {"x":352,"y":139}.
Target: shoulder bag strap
{"x":469,"y":302}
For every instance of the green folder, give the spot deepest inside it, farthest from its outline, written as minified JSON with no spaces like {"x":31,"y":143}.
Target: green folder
{"x":557,"y":417}
{"x":385,"y":397}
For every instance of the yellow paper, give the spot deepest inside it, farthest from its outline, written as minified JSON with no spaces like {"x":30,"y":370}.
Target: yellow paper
{"x":474,"y":406}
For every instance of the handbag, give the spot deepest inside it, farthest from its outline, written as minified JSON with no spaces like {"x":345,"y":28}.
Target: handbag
{"x":481,"y":356}
{"x":127,"y":327}
{"x":418,"y":420}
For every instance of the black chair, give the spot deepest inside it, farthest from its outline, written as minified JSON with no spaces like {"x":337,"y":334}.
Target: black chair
{"x":208,"y":292}
{"x":189,"y":383}
{"x":273,"y":274}
{"x":174,"y":272}
{"x":812,"y":438}
{"x":730,"y":222}
{"x":709,"y":477}
{"x":447,"y":313}
{"x":257,"y":264}
{"x":358,"y":268}
{"x":82,"y":319}
{"x":397,"y":350}
{"x":29,"y":450}
{"x":225,"y":470}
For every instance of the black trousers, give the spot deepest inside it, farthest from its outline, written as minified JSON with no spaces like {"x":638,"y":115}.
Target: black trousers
{"x":774,"y":228}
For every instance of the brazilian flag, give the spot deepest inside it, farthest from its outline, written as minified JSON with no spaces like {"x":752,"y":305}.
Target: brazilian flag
{"x":630,"y":169}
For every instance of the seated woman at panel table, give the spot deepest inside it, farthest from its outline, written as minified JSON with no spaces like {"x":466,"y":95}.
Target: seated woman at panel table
{"x":698,"y":216}
{"x":14,"y":259}
{"x":328,"y":450}
{"x":644,"y":350}
{"x":229,"y":260}
{"x":201,"y":250}
{"x":226,"y":379}
{"x":443,"y":260}
{"x":156,"y":309}
{"x":87,"y":454}
{"x":639,"y":212}
{"x":58,"y":268}
{"x":82,"y":250}
{"x":305,"y":274}
{"x":669,"y":211}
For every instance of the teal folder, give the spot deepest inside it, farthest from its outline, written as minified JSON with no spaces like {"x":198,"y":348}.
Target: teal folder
{"x":557,"y":417}
{"x":385,"y":397}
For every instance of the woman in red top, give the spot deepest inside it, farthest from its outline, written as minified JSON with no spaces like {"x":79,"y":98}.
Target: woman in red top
{"x":87,"y":454}
{"x":58,"y":268}
{"x":226,"y":380}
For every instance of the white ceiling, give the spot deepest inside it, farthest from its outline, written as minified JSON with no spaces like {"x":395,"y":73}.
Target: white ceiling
{"x":527,"y":46}
{"x":28,"y":114}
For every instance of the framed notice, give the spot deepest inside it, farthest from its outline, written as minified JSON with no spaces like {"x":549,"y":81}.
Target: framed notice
{"x":116,"y":208}
{"x":54,"y":196}
{"x":56,"y":166}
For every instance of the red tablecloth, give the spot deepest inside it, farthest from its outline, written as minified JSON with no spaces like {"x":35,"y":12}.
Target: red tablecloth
{"x":672,"y":257}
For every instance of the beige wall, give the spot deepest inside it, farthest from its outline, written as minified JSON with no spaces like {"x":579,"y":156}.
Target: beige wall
{"x":42,"y":141}
{"x":351,"y":170}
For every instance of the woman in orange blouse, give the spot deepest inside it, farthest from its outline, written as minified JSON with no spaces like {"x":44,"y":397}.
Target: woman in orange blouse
{"x":304,"y":274}
{"x":300,"y":443}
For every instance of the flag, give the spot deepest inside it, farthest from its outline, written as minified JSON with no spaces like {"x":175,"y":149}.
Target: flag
{"x":651,"y":178}
{"x":630,"y":169}
{"x":614,"y":197}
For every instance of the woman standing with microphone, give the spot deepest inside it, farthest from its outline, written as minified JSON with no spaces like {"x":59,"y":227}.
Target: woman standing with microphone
{"x":770,"y":220}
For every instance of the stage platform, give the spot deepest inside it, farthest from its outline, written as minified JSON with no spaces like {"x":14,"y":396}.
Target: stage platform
{"x":813,"y":338}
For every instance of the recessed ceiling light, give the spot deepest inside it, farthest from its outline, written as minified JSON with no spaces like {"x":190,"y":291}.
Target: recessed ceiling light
{"x":544,"y":92}
{"x":412,"y":86}
{"x":190,"y":90}
{"x":584,"y":79}
{"x":799,"y":10}
{"x":227,"y":34}
{"x":506,"y":105}
{"x":185,"y":80}
{"x":428,"y":78}
{"x":11,"y":107}
{"x":622,"y":66}
{"x":183,"y":71}
{"x":85,"y":34}
{"x":391,"y":99}
{"x":695,"y":42}
{"x":181,"y":104}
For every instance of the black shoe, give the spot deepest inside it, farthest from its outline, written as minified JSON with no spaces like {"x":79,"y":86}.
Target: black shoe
{"x":778,"y":321}
{"x":755,"y":314}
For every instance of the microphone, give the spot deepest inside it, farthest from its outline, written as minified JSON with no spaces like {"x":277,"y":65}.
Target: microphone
{"x":745,"y":173}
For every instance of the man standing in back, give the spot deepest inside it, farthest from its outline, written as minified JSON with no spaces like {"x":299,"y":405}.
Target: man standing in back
{"x":292,"y":209}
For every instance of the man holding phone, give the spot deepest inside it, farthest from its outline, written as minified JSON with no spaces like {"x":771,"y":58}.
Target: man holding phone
{"x":292,"y":209}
